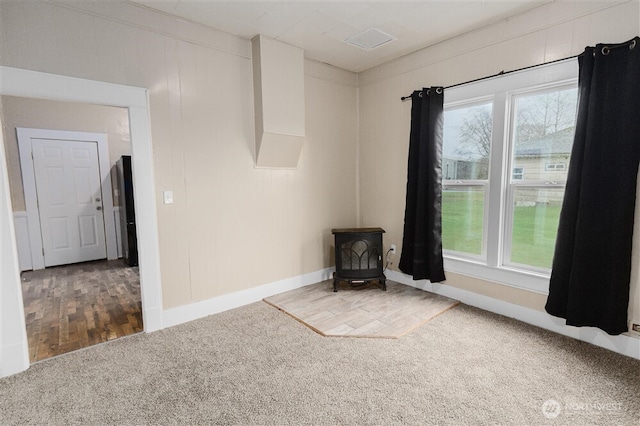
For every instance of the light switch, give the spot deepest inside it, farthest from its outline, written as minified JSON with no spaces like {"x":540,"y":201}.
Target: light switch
{"x":168,"y":197}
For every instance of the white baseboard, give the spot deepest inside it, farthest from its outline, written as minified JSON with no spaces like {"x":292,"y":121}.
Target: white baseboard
{"x":15,"y":358}
{"x":190,"y":312}
{"x":628,"y":345}
{"x":152,"y":319}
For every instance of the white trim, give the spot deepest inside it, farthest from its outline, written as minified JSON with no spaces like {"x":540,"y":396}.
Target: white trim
{"x":25,"y":136}
{"x":25,"y":83}
{"x":225,"y":302}
{"x":14,"y":351}
{"x":146,"y":217}
{"x":12,"y":359}
{"x":628,"y":345}
{"x":21,"y":224}
{"x":512,"y":277}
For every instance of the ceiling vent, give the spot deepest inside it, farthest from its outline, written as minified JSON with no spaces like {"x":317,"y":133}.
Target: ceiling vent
{"x":370,"y":39}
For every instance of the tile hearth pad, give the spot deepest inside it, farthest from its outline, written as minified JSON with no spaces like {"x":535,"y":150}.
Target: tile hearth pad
{"x":361,"y":311}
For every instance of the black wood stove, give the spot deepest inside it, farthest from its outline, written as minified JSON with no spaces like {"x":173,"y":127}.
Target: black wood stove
{"x":358,"y":256}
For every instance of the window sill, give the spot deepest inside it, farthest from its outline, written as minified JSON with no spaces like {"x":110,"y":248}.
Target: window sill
{"x":531,"y":281}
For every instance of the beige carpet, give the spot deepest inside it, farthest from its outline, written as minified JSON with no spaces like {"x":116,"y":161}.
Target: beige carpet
{"x":365,"y":311}
{"x":256,"y":366}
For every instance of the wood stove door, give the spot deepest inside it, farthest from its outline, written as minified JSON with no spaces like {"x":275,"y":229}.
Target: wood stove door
{"x":358,"y":256}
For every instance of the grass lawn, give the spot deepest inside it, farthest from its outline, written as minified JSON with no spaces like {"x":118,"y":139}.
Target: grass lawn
{"x":534,"y":228}
{"x":462,"y":217}
{"x":534,"y":235}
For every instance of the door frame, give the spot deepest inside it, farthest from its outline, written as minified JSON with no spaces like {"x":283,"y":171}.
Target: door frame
{"x":14,"y":352}
{"x":25,"y":135}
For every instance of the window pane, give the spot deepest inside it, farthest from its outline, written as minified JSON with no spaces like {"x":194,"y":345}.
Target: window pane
{"x":536,"y":212}
{"x":463,"y":218}
{"x":518,"y":173}
{"x":543,"y":135}
{"x":467,"y":142}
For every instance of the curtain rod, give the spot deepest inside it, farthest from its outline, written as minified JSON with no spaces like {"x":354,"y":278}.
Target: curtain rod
{"x":501,"y":73}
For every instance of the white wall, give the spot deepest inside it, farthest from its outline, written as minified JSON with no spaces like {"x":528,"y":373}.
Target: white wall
{"x":226,"y":212}
{"x":58,"y":115}
{"x":554,"y":31}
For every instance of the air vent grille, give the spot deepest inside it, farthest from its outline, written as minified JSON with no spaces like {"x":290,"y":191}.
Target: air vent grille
{"x":370,"y":39}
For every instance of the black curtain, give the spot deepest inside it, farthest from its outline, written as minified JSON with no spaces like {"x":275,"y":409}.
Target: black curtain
{"x":422,"y":238}
{"x":592,"y":263}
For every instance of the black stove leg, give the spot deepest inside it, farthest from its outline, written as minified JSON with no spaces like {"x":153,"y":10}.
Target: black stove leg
{"x":384,"y":284}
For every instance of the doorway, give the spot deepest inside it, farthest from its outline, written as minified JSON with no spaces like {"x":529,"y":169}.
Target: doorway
{"x":66,"y":180}
{"x":80,"y":298}
{"x":17,"y":82}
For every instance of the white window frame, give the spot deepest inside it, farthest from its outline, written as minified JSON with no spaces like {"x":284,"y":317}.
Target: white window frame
{"x":491,"y":266}
{"x":514,"y":184}
{"x":472,"y":183}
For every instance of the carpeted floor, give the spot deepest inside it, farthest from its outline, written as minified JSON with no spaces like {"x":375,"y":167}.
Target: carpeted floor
{"x":255,"y":365}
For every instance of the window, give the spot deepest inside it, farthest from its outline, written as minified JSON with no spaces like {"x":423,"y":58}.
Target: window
{"x":465,"y":168}
{"x":506,"y":149}
{"x":555,"y":166}
{"x":540,"y":140}
{"x":518,"y":173}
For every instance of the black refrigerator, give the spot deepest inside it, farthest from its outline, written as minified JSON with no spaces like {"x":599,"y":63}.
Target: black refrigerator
{"x":127,"y":211}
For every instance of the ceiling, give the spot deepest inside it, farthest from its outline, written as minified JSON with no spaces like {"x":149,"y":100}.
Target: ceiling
{"x":321,"y":27}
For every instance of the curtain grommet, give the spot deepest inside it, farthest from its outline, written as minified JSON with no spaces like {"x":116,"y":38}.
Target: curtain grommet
{"x":633,"y":44}
{"x":606,"y":50}
{"x":439,"y":90}
{"x":419,"y":94}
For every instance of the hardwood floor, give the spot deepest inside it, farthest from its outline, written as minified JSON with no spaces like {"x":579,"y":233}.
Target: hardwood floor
{"x":361,"y":312}
{"x":75,"y":306}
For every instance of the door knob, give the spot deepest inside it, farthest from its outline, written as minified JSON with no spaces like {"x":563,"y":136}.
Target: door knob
{"x":99,"y":208}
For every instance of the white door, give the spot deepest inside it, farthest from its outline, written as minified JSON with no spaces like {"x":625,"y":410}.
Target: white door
{"x":69,"y":193}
